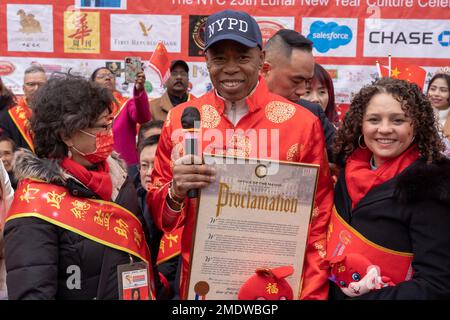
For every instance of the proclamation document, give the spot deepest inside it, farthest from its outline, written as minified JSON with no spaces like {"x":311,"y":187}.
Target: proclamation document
{"x":255,"y":215}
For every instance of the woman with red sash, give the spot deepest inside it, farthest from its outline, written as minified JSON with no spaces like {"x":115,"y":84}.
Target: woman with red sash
{"x":75,"y":216}
{"x":389,"y":237}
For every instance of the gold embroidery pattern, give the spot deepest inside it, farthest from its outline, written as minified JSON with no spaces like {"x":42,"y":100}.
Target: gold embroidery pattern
{"x":320,"y":249}
{"x":22,"y":115}
{"x":122,"y":229}
{"x":79,"y":209}
{"x":292,"y":153}
{"x":210,"y":117}
{"x":55,"y":199}
{"x":239,"y":146}
{"x":102,"y":218}
{"x":162,"y":246}
{"x":279,"y":112}
{"x":137,"y":237}
{"x":272,"y":288}
{"x":28,"y":193}
{"x":315,"y":212}
{"x":172,"y":239}
{"x":329,"y":231}
{"x":157,"y":184}
{"x":19,"y":109}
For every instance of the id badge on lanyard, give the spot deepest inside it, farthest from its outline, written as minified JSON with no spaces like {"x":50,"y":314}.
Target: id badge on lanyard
{"x":134,"y":281}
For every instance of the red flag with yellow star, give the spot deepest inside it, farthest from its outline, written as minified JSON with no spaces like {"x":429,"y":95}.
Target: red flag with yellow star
{"x":159,"y":61}
{"x":408,"y":72}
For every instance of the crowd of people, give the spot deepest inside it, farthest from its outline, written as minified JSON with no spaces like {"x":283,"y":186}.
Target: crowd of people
{"x":92,"y":179}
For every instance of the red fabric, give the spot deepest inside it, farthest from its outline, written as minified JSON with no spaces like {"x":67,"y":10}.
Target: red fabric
{"x":21,"y":115}
{"x":300,"y":139}
{"x":159,"y":61}
{"x":97,"y":181}
{"x":408,"y":72}
{"x":119,"y":103}
{"x":360,"y":178}
{"x":268,"y":284}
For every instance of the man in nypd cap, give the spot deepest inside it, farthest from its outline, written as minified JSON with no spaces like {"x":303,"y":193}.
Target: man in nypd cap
{"x":240,"y":104}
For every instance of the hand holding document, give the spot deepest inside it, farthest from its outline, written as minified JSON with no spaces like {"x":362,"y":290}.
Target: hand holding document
{"x":255,"y":215}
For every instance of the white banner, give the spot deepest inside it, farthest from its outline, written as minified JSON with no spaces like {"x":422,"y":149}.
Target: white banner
{"x":30,"y":28}
{"x":412,"y":38}
{"x":141,"y":33}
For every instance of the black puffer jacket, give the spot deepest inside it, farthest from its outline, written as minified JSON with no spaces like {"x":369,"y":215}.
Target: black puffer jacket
{"x":40,"y":256}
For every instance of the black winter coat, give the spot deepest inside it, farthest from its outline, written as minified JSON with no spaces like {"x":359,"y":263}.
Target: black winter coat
{"x":409,"y":213}
{"x":327,"y":126}
{"x":169,"y":268}
{"x":40,"y":256}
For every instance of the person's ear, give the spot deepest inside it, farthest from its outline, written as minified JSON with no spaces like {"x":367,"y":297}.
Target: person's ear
{"x":207,"y":62}
{"x":266,"y":67}
{"x":67,"y":140}
{"x":262,"y":56}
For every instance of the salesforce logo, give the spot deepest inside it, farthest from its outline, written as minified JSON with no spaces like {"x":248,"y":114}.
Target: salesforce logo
{"x":326,"y":36}
{"x":444,"y":38}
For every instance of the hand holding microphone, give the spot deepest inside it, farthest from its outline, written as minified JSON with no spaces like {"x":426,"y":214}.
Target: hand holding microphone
{"x":190,"y":121}
{"x":189,"y":173}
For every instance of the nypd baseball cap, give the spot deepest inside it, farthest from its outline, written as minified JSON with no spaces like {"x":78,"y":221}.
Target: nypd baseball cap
{"x":232,"y":25}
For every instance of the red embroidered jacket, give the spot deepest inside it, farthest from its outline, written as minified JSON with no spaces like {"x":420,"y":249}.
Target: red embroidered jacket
{"x":300,"y":139}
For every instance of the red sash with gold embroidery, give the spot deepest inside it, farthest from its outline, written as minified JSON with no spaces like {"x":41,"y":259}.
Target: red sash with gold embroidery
{"x":170,"y":245}
{"x":101,"y":221}
{"x":119,"y":103}
{"x":21,"y":115}
{"x":343,"y":239}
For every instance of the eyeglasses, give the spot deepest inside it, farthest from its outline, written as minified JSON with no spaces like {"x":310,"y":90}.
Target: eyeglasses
{"x":178,"y":73}
{"x":34,"y":84}
{"x":104,"y":76}
{"x":105,"y":127}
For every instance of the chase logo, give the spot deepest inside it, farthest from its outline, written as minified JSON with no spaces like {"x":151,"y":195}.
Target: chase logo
{"x":326,"y":36}
{"x":444,"y":38}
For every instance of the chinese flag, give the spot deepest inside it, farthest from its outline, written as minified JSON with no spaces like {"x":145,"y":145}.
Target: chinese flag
{"x":159,"y":61}
{"x":408,"y":72}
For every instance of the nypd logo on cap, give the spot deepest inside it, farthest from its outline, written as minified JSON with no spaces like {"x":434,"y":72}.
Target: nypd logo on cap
{"x":232,"y":25}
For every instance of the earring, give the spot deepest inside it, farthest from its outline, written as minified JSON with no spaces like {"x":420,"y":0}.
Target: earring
{"x":414,"y":136}
{"x":359,"y":143}
{"x":69,"y":154}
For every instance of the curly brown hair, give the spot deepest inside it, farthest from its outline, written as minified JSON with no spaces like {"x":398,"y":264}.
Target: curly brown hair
{"x":414,"y":104}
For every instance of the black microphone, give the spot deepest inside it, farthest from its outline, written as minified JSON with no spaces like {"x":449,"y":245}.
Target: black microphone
{"x":190,"y":121}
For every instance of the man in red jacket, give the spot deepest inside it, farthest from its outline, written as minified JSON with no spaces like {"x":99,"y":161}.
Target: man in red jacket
{"x":241,"y":104}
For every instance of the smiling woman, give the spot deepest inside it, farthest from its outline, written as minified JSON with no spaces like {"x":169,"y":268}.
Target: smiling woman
{"x":439,"y":94}
{"x":77,"y":200}
{"x":392,"y":193}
